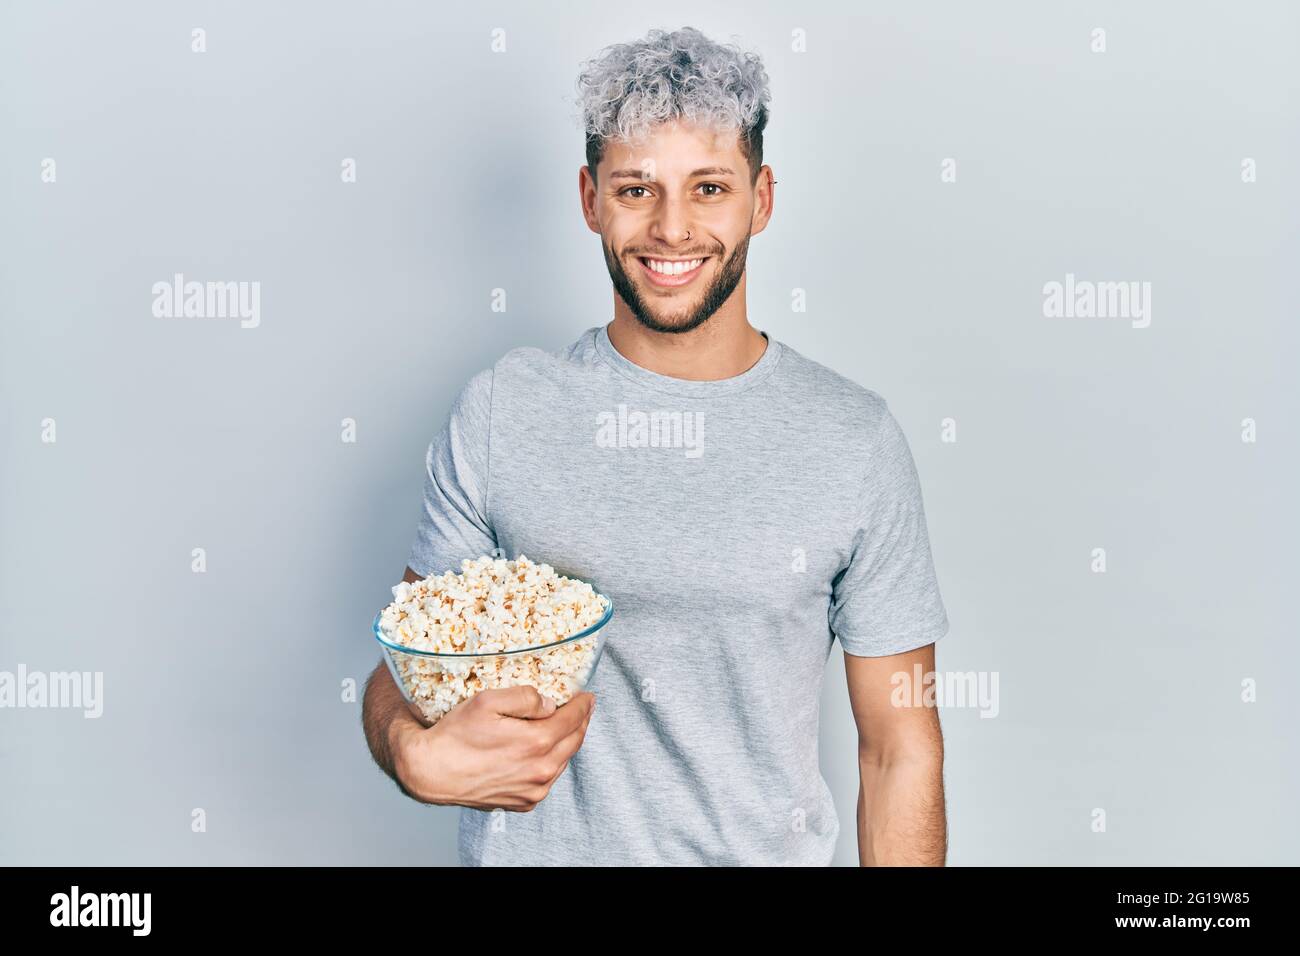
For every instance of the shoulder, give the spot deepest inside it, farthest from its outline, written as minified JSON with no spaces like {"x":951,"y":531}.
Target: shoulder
{"x":859,"y":423}
{"x":833,"y":399}
{"x":475,"y":398}
{"x":526,"y":371}
{"x":525,"y":358}
{"x":529,"y":366}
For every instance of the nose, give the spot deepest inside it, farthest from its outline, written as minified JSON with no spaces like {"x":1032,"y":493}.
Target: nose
{"x":672,"y":225}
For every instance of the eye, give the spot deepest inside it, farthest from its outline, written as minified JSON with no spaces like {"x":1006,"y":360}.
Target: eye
{"x":718,"y":186}
{"x":624,"y":192}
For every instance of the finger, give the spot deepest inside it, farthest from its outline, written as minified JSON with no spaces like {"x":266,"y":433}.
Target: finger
{"x":523,"y":701}
{"x":569,"y":717}
{"x":568,"y":745}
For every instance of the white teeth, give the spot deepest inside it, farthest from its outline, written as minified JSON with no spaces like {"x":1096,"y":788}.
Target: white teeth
{"x":673,"y":268}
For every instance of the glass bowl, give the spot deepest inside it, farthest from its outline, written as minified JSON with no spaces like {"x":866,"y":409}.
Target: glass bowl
{"x":433,"y":683}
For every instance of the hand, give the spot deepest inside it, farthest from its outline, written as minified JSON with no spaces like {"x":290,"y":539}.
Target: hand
{"x":500,"y":748}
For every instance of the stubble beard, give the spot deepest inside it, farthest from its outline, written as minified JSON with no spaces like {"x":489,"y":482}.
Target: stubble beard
{"x":718,"y":292}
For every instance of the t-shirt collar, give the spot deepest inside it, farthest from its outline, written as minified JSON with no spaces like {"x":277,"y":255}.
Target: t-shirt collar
{"x":680,"y":386}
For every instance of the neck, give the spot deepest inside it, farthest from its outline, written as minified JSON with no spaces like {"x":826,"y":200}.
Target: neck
{"x":723,"y":347}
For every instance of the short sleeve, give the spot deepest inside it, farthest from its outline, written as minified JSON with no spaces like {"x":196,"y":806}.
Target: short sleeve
{"x":453,"y":523}
{"x":886,"y":599}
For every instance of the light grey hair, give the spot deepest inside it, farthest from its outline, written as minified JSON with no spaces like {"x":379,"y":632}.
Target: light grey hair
{"x":630,"y":87}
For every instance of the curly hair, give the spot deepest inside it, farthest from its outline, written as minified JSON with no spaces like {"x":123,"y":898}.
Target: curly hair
{"x":630,"y":87}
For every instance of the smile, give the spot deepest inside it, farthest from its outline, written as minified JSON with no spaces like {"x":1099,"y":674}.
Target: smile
{"x":672,"y":272}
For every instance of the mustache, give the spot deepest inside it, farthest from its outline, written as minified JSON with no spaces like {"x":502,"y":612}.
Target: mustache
{"x":672,"y":255}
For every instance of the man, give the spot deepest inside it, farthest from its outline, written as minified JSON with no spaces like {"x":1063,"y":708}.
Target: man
{"x":742,"y":505}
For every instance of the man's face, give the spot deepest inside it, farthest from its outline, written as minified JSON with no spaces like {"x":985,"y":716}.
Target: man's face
{"x":675,"y":214}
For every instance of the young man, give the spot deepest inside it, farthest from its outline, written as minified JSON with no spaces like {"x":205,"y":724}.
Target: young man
{"x":742,"y":505}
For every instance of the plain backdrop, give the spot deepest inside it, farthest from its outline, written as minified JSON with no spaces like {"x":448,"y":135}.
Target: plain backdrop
{"x":224,"y":691}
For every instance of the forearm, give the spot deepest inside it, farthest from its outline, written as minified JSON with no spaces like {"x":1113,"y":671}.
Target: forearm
{"x":901,"y":819}
{"x":388,"y":722}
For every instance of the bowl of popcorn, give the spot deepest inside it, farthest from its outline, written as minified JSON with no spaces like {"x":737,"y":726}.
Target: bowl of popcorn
{"x":496,"y":623}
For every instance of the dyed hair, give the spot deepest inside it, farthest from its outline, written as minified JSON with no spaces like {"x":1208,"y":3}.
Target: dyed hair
{"x":630,"y":87}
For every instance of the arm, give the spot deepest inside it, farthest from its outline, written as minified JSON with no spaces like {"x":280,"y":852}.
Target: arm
{"x":503,"y":747}
{"x":901,"y":820}
{"x":389,"y":723}
{"x":887,"y":613}
{"x":390,"y":726}
{"x":500,"y":748}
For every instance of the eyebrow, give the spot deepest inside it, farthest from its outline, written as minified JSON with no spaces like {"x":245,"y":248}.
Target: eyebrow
{"x":705,"y":171}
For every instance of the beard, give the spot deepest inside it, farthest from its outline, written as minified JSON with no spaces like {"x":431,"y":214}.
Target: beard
{"x":718,"y":292}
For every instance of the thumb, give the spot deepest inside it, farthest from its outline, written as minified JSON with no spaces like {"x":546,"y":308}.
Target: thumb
{"x":524,"y":701}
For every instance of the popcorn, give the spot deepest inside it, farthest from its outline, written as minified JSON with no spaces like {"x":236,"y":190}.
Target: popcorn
{"x":491,"y":607}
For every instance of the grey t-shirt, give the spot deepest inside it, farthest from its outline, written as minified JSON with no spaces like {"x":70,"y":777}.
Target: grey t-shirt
{"x":739,"y":526}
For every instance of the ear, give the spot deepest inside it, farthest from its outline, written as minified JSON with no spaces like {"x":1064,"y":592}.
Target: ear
{"x":587,"y":196}
{"x":764,"y":200}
